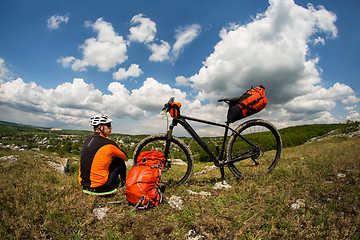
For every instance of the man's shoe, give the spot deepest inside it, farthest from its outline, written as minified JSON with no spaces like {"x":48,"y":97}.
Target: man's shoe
{"x":99,"y":193}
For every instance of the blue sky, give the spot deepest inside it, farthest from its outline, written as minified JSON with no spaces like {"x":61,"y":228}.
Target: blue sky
{"x":64,"y":61}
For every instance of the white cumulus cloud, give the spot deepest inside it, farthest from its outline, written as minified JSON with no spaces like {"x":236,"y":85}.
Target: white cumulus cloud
{"x":133,"y":71}
{"x":350,"y":100}
{"x":160,"y":52}
{"x":353,"y":115}
{"x":74,"y":102}
{"x":3,"y":70}
{"x":54,"y":21}
{"x":105,"y":51}
{"x":181,"y":81}
{"x":108,"y":49}
{"x":184,"y":36}
{"x":273,"y":50}
{"x":144,"y":30}
{"x":153,"y":95}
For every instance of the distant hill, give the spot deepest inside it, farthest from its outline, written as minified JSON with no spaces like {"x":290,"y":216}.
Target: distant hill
{"x":66,"y":131}
{"x":15,"y":124}
{"x":297,"y":135}
{"x":291,"y":136}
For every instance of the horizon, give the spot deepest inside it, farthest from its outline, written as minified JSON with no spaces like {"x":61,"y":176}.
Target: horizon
{"x":185,"y":136}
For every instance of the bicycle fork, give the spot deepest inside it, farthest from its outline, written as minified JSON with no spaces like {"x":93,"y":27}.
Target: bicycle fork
{"x":221,"y":155}
{"x":167,"y":145}
{"x":220,"y":163}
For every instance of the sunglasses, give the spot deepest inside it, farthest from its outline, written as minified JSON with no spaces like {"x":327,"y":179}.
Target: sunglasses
{"x":108,"y":125}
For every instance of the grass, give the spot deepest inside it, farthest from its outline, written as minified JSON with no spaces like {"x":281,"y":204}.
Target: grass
{"x":37,"y":202}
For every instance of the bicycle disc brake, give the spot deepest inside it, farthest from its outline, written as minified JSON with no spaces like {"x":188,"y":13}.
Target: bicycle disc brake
{"x":167,"y":165}
{"x":256,"y":152}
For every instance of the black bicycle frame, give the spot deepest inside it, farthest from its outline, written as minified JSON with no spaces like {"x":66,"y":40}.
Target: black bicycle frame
{"x":219,"y":161}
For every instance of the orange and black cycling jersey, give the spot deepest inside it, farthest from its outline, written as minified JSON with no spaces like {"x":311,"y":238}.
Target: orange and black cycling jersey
{"x":96,"y":157}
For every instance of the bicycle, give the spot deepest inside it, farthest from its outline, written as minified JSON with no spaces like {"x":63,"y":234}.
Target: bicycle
{"x":254,"y":148}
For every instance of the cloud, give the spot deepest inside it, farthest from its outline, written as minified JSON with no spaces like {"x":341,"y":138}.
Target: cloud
{"x":319,"y":40}
{"x":324,"y":20}
{"x":350,"y":108}
{"x":66,"y":61}
{"x":153,"y":95}
{"x":105,"y":51}
{"x":160,"y":52}
{"x":3,"y":71}
{"x":273,"y":50}
{"x":181,"y":81}
{"x":122,"y":73}
{"x":354,"y":116}
{"x":68,"y":98}
{"x":54,"y":21}
{"x":184,"y":36}
{"x":109,"y":49}
{"x":350,"y":100}
{"x":144,"y":31}
{"x":73,"y":102}
{"x":354,"y":113}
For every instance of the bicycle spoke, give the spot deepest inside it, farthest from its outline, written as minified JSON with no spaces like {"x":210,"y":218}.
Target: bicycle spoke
{"x":263,"y":157}
{"x":179,"y":164}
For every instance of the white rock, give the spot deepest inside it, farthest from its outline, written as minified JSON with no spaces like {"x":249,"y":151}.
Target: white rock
{"x":221,"y":185}
{"x":298,"y":204}
{"x":341,"y":175}
{"x":192,"y":235}
{"x":178,"y":162}
{"x":129,"y":163}
{"x":205,"y":170}
{"x":9,"y":159}
{"x":175,"y":202}
{"x":100,"y":213}
{"x":60,"y":164}
{"x":202,"y":193}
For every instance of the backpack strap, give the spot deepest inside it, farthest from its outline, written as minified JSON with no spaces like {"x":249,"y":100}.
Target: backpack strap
{"x":158,"y":188}
{"x":157,"y":165}
{"x":138,"y":204}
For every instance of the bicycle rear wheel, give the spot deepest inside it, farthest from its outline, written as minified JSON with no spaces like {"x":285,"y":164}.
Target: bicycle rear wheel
{"x":180,"y":161}
{"x":262,"y":157}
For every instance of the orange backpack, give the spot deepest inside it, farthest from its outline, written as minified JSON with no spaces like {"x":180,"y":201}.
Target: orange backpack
{"x":142,"y":181}
{"x":251,"y":102}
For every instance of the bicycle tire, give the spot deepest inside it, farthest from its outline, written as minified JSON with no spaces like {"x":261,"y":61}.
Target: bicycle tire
{"x":176,"y":174}
{"x":267,"y":139}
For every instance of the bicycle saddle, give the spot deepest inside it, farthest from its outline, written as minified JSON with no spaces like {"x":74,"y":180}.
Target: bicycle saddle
{"x":228,"y":100}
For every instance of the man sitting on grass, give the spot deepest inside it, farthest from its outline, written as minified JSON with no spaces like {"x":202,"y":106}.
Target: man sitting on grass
{"x":102,"y":160}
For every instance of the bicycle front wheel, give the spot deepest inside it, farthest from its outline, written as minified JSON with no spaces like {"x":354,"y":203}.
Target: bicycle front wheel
{"x":259,"y":157}
{"x":180,"y":162}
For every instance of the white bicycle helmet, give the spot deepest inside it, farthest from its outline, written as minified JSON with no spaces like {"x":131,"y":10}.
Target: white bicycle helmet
{"x":100,"y":119}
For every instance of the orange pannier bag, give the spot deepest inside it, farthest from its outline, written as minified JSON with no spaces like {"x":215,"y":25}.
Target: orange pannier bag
{"x":142,"y":181}
{"x":251,"y":102}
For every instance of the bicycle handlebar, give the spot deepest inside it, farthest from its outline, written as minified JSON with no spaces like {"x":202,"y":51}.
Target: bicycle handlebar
{"x":168,"y":104}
